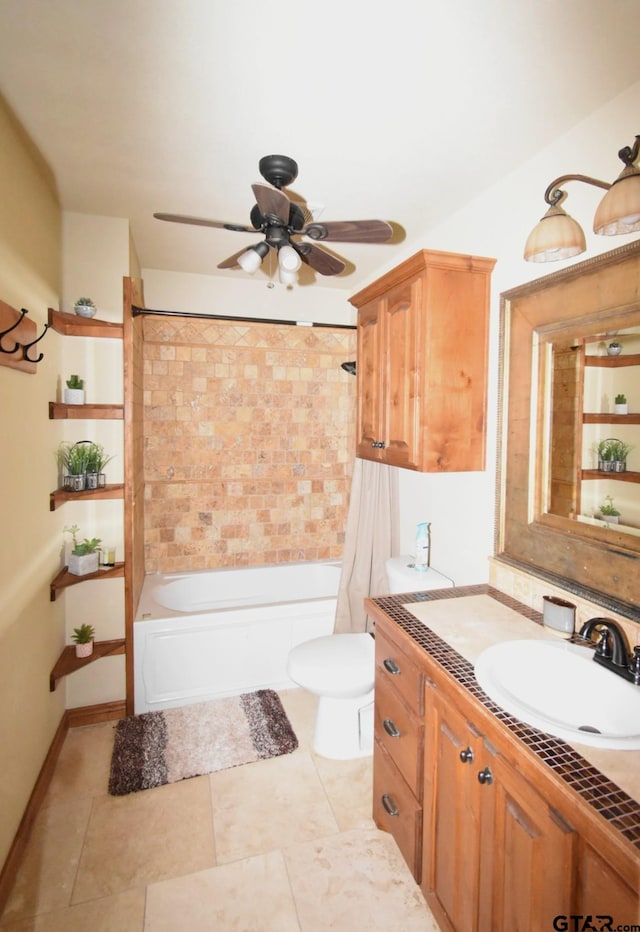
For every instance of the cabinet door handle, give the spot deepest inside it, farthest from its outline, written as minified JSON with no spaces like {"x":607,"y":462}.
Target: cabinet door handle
{"x":485,"y":776}
{"x":378,"y":444}
{"x":389,"y":805}
{"x":466,"y":756}
{"x":391,"y":666}
{"x":390,"y":728}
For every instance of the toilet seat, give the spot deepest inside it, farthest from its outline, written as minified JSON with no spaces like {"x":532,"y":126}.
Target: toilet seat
{"x":337,"y":665}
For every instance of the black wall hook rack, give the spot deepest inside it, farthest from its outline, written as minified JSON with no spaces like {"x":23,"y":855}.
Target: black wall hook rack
{"x":17,"y":336}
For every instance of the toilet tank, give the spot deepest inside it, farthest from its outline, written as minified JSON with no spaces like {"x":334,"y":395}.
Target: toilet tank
{"x":403,"y":577}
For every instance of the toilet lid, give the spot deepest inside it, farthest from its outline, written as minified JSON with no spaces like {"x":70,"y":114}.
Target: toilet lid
{"x":334,"y":659}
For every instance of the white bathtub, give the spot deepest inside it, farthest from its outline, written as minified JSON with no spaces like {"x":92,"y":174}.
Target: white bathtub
{"x":204,"y":635}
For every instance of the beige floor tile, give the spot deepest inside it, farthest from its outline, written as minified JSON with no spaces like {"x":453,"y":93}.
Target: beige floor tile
{"x":144,"y":837}
{"x":266,"y":805}
{"x":82,"y":769}
{"x":353,"y":882}
{"x":46,"y":876}
{"x":123,"y":912}
{"x":301,"y":707}
{"x":252,"y":894}
{"x":348,"y":785}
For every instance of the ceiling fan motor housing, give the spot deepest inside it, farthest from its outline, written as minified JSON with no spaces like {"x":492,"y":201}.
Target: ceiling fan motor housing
{"x":278,"y":170}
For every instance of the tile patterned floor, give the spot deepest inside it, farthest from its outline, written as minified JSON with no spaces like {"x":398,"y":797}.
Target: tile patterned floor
{"x":282,"y":845}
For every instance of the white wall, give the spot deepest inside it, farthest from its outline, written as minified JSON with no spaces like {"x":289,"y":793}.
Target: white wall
{"x":460,"y":506}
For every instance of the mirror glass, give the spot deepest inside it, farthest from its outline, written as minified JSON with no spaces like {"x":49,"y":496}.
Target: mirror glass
{"x":569,"y":459}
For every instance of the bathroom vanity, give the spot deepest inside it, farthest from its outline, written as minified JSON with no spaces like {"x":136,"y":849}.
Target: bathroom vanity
{"x":503,"y":826}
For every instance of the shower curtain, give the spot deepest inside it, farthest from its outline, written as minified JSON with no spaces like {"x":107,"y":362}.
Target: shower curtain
{"x":370,"y":538}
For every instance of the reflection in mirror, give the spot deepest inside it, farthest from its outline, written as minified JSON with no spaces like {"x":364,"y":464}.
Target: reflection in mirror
{"x":594,"y":413}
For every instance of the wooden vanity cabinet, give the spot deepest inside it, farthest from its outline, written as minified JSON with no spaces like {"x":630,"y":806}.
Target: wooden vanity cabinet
{"x":504,"y":843}
{"x":422,"y":363}
{"x":398,"y":748}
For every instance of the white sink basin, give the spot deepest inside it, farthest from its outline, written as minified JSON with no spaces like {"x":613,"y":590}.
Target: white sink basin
{"x":558,"y":688}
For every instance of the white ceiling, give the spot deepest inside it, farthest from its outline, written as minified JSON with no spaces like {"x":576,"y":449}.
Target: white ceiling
{"x":399,"y":110}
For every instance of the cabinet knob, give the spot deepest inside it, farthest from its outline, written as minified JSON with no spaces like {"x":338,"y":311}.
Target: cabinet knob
{"x":391,"y":666}
{"x":466,"y":756}
{"x":391,"y":728}
{"x":378,"y":444}
{"x":389,"y":805}
{"x":485,"y":776}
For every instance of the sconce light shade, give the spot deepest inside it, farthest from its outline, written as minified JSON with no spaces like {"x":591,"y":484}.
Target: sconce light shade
{"x":557,"y":236}
{"x":619,"y":209}
{"x":251,"y":260}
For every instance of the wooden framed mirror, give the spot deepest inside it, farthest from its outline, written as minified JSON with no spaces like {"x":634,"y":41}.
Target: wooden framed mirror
{"x":558,"y":382}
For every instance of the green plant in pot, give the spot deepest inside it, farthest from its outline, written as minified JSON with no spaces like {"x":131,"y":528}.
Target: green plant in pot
{"x":619,"y":453}
{"x":84,"y":557}
{"x":608,"y":510}
{"x":96,"y":460}
{"x":83,"y":637}
{"x":74,"y":392}
{"x":605,"y":455}
{"x":621,"y":406}
{"x":85,"y":307}
{"x":72,"y":462}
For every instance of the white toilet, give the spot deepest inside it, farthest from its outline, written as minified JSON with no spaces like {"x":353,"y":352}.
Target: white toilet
{"x":404,"y":577}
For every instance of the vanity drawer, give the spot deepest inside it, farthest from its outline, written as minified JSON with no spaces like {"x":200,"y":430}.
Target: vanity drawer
{"x":394,"y":666}
{"x":396,"y":810}
{"x":400,"y":733}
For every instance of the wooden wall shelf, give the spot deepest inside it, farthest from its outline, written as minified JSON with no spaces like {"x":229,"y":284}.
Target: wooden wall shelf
{"x":72,"y":325}
{"x":65,"y":578}
{"x":69,"y":663}
{"x":613,"y":362}
{"x":611,"y":418}
{"x":100,"y":412}
{"x":627,"y":476}
{"x":60,"y":496}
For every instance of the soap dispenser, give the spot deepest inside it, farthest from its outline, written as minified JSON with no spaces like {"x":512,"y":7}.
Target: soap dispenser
{"x":422,"y":547}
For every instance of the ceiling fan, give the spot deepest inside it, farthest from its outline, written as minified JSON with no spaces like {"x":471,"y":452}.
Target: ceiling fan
{"x":280,"y":220}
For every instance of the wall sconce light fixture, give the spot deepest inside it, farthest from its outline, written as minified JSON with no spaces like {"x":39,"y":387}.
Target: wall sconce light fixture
{"x":559,"y":236}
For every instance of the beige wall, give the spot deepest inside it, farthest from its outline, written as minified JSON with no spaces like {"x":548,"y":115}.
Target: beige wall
{"x":31,"y":627}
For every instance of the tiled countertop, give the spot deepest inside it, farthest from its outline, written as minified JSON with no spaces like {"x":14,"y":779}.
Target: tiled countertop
{"x":454,"y":626}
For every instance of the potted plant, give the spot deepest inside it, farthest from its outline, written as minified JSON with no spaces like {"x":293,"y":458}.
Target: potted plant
{"x":608,"y":511}
{"x":605,"y":457}
{"x":96,"y":460}
{"x":621,"y":406}
{"x":614,"y":348}
{"x":84,"y":556}
{"x":83,"y":639}
{"x":72,"y":461}
{"x":85,"y":307}
{"x":74,"y":392}
{"x":619,"y":452}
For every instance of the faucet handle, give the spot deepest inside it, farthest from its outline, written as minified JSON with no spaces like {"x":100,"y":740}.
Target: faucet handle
{"x":634,"y":665}
{"x":604,"y":648}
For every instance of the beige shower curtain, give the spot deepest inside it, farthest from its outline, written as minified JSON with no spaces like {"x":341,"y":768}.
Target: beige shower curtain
{"x":370,"y":538}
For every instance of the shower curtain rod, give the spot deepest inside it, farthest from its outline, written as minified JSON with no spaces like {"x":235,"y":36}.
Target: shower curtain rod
{"x":137,"y":311}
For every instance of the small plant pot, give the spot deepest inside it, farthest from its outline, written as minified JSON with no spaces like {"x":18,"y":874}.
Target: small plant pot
{"x":619,"y":465}
{"x":84,"y":564}
{"x":75,"y":483}
{"x":95,"y":480}
{"x":73,"y":396}
{"x":605,"y":465}
{"x":622,"y":409}
{"x":84,"y":650}
{"x":85,"y":310}
{"x":611,"y":519}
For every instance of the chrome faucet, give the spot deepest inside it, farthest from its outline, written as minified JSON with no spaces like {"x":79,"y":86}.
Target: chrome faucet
{"x":611,"y":649}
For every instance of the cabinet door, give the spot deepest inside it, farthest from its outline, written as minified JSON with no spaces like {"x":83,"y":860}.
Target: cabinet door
{"x":396,"y":810}
{"x":452,"y":817}
{"x":370,"y":377}
{"x":402,"y":358}
{"x":530,"y":880}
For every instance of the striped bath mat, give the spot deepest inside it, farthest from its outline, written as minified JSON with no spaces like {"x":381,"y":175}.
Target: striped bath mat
{"x":163,"y":747}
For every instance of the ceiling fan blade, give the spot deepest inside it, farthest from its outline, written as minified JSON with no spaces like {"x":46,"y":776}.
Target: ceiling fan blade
{"x":201,"y":222}
{"x":323,"y":262}
{"x":272,"y":203}
{"x":350,"y":231}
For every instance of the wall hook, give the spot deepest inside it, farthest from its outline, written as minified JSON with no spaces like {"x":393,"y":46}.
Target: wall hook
{"x":9,"y":329}
{"x":27,"y":347}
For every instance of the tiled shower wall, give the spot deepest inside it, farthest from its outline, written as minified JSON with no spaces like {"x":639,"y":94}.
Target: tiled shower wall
{"x":249,"y":442}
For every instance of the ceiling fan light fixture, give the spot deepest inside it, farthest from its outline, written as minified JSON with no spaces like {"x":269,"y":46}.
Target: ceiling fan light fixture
{"x":251,"y":260}
{"x":288,"y":259}
{"x":287,"y":277}
{"x":558,"y":236}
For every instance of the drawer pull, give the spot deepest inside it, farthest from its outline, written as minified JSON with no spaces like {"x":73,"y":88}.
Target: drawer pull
{"x":391,"y":666}
{"x":389,"y":805}
{"x":485,"y":776}
{"x":466,"y":756}
{"x":391,"y":728}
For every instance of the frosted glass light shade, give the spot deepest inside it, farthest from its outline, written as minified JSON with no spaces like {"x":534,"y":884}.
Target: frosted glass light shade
{"x":287,"y":277}
{"x":288,"y":259}
{"x":250,"y":260}
{"x":556,"y":236}
{"x":619,"y":210}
